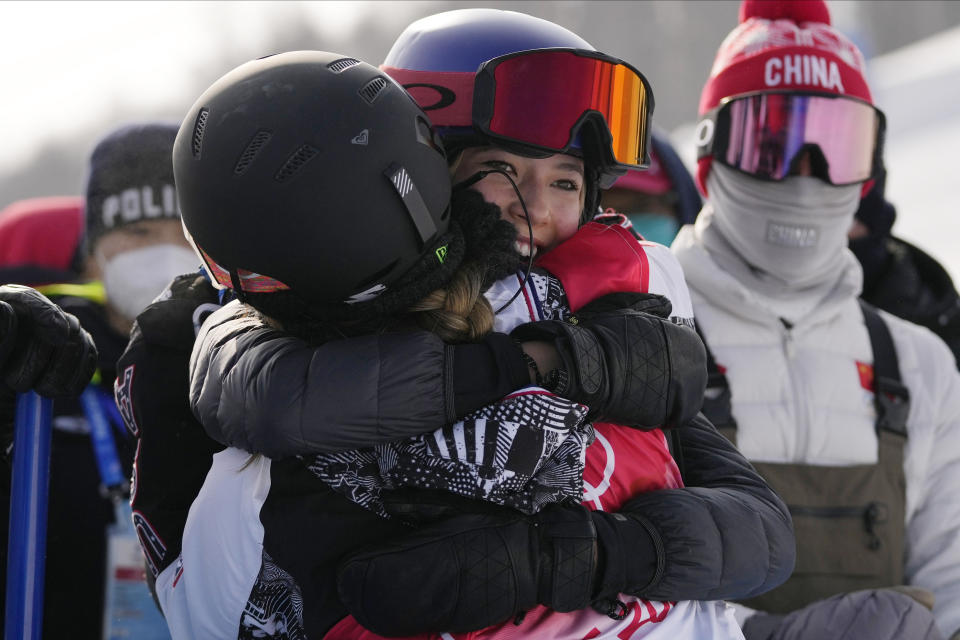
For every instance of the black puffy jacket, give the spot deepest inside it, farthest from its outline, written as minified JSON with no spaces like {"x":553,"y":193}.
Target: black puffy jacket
{"x":912,"y":285}
{"x":725,"y":535}
{"x":260,"y":390}
{"x":174,"y":452}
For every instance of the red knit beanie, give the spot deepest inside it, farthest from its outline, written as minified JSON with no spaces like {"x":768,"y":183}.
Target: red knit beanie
{"x":782,"y":45}
{"x":41,"y":234}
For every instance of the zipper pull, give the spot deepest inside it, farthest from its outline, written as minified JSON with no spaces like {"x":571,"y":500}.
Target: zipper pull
{"x":788,"y":347}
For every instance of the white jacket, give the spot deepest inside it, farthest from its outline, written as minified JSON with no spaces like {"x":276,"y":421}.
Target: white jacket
{"x":797,"y":396}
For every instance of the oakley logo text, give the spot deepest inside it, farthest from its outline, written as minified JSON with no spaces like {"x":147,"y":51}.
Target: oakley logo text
{"x":445,"y":97}
{"x":814,"y":71}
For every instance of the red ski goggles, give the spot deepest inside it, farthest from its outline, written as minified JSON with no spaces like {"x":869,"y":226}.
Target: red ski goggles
{"x":765,"y":134}
{"x":544,"y":98}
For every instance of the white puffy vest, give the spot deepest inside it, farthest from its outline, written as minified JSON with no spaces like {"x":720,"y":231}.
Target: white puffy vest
{"x":800,"y":394}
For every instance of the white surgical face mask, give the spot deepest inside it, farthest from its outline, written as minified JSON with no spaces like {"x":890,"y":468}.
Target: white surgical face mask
{"x":794,"y":230}
{"x":132,"y":279}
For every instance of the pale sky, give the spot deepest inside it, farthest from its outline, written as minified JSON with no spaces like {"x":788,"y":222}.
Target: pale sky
{"x":64,"y":64}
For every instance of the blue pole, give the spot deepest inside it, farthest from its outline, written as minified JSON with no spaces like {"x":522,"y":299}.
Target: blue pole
{"x":26,"y":551}
{"x":104,"y":448}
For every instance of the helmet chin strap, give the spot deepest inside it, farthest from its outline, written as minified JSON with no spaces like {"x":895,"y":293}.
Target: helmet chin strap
{"x":237,"y":285}
{"x":477,"y":177}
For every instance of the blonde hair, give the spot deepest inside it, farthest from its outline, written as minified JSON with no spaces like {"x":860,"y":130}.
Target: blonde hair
{"x":457,"y":312}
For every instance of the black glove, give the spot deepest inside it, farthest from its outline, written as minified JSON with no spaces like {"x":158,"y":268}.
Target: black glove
{"x":631,"y":366}
{"x":8,"y":331}
{"x":8,"y":411}
{"x":651,"y":303}
{"x":474,"y":570}
{"x":490,"y":240}
{"x":47,"y":349}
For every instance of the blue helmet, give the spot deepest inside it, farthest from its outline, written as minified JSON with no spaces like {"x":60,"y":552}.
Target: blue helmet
{"x":462,"y":40}
{"x":436,"y":59}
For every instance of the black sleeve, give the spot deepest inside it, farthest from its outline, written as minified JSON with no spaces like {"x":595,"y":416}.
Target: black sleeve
{"x":264,"y":391}
{"x":173,"y":452}
{"x":485,"y":372}
{"x":725,"y":535}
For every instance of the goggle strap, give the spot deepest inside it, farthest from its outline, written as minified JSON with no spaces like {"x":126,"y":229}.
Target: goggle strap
{"x":239,"y":280}
{"x":445,"y":96}
{"x":237,"y":285}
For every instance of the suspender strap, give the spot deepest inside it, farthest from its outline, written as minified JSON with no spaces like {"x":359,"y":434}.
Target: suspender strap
{"x":891,"y":398}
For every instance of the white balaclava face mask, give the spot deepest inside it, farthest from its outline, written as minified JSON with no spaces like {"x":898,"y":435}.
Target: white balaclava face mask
{"x":132,"y":279}
{"x":794,"y":230}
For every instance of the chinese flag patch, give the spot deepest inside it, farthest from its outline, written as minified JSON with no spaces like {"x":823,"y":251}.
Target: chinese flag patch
{"x":865,"y":371}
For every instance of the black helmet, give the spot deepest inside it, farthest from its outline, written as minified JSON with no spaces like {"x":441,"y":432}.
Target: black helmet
{"x":313,"y":172}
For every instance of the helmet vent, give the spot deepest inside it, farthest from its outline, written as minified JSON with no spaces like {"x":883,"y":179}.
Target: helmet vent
{"x":295,"y":163}
{"x":198,"y":128}
{"x":372,"y":89}
{"x":260,"y":138}
{"x":341,"y":65}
